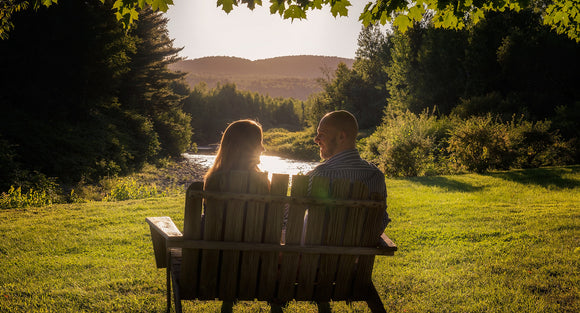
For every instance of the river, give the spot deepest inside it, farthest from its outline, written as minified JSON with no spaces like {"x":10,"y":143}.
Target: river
{"x":270,"y":164}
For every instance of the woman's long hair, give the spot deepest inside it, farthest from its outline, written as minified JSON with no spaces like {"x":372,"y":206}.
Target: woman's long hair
{"x":238,"y":148}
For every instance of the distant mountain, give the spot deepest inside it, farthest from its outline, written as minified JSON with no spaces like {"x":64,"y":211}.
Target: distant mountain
{"x":287,"y":77}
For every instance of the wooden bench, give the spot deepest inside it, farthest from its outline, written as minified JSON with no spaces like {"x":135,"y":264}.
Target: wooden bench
{"x":235,"y":251}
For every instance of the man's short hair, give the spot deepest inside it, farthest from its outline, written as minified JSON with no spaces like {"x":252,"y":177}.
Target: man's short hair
{"x":343,"y":121}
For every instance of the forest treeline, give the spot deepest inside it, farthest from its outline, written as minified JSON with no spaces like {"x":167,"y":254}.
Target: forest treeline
{"x":84,"y":99}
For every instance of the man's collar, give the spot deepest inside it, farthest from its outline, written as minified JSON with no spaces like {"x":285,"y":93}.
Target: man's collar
{"x":341,"y":154}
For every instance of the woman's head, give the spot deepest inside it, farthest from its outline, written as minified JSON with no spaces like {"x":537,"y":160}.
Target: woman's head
{"x":240,"y":148}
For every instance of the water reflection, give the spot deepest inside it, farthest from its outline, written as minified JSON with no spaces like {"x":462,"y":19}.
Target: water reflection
{"x":270,"y":164}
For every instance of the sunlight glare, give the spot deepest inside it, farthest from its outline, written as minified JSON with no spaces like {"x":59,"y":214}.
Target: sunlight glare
{"x":269,"y":164}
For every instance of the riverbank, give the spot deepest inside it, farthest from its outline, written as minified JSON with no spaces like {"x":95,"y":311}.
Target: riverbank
{"x":177,"y":173}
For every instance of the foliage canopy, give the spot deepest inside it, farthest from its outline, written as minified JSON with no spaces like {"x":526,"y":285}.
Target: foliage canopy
{"x":563,"y":16}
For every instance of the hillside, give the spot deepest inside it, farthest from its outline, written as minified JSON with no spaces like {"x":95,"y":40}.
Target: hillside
{"x":290,"y":76}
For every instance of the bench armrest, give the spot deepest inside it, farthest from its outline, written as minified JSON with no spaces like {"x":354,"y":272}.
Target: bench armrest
{"x":386,"y":243}
{"x":162,"y":230}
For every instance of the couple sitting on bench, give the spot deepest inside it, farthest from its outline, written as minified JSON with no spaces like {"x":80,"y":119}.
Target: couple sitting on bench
{"x":331,"y":224}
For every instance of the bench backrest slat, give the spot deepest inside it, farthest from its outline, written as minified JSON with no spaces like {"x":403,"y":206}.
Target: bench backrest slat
{"x":373,"y":221}
{"x":233,"y":231}
{"x":352,"y":234}
{"x":191,"y":230}
{"x":315,"y":228}
{"x":253,"y":232}
{"x":335,"y":228}
{"x":212,"y":230}
{"x":294,"y":225}
{"x":272,"y":233}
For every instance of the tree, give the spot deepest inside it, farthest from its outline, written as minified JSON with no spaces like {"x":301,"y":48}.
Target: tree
{"x":563,"y":16}
{"x":362,"y":89}
{"x":61,"y":69}
{"x":151,"y":89}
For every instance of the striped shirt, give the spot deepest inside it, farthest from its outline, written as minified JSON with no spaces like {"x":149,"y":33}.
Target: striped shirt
{"x":348,"y":164}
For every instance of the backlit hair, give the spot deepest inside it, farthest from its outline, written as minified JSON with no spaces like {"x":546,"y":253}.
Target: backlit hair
{"x":239,"y":142}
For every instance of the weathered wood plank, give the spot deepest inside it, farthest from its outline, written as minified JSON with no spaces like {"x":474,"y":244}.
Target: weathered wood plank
{"x":162,"y":229}
{"x":267,"y":286}
{"x":293,"y":234}
{"x":233,"y":231}
{"x":212,"y":230}
{"x":315,"y":227}
{"x":333,"y":236}
{"x":369,"y":237}
{"x":287,"y":248}
{"x":253,"y":232}
{"x":191,"y":230}
{"x":294,"y":199}
{"x":352,"y":235}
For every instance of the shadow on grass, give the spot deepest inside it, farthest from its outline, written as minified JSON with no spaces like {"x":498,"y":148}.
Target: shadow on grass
{"x":550,"y":177}
{"x":444,"y":182}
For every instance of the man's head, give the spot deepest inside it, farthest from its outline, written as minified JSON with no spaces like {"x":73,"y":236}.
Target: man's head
{"x":336,"y":133}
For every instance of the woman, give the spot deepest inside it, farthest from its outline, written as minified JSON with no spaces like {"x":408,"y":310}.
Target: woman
{"x":240,"y":149}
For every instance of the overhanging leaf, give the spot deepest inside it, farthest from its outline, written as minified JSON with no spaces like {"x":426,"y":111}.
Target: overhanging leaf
{"x":277,"y":7}
{"x":340,"y":7}
{"x":416,"y":13}
{"x":227,"y":5}
{"x":293,"y":12}
{"x":402,"y":22}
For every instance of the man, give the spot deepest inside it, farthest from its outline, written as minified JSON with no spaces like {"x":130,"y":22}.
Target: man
{"x":336,"y":136}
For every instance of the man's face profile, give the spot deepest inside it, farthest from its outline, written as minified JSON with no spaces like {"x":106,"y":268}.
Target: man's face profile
{"x":328,"y":139}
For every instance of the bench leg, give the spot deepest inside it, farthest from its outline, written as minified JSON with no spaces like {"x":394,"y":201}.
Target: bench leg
{"x":168,"y":282}
{"x":323,"y":307}
{"x":172,"y":280}
{"x":275,"y":307}
{"x":227,"y":306}
{"x":374,"y":301}
{"x":176,"y":296}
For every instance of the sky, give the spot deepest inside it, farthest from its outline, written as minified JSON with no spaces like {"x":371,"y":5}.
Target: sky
{"x":205,"y":30}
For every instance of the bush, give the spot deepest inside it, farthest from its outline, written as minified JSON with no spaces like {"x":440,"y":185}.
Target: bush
{"x":481,"y":143}
{"x":32,"y":189}
{"x":536,"y":145}
{"x":14,"y":198}
{"x":128,"y":188}
{"x":296,"y":145}
{"x":409,"y":145}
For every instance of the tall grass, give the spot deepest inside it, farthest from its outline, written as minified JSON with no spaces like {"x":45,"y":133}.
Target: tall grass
{"x":501,"y":242}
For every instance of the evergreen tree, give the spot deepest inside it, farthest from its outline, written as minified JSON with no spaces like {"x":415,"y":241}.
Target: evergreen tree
{"x":151,"y":89}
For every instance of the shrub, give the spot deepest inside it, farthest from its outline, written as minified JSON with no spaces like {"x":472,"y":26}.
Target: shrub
{"x":296,"y":145}
{"x":537,"y":145}
{"x":128,"y":188}
{"x":15,"y":198}
{"x":481,"y":143}
{"x":32,"y":189}
{"x":409,"y":145}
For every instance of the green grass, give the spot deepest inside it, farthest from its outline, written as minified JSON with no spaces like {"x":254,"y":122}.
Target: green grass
{"x":501,"y":242}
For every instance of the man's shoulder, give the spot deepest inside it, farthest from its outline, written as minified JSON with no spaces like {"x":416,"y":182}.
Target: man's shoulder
{"x":352,"y":163}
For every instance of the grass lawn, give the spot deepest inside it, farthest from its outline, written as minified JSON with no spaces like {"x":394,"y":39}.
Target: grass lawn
{"x":501,"y":242}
